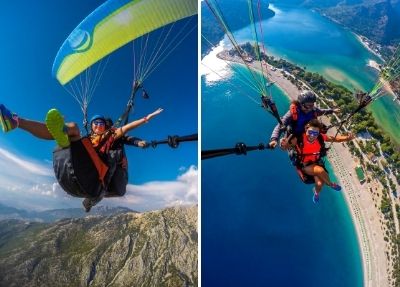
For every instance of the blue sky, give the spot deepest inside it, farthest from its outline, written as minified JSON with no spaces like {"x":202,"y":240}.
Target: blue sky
{"x":158,"y":177}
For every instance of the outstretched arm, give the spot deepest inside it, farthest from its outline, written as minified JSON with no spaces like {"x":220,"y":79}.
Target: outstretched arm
{"x":325,"y":112}
{"x":128,"y":140}
{"x":340,"y":138}
{"x":126,"y":128}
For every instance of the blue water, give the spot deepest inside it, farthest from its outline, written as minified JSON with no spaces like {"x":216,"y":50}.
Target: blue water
{"x":259,"y":224}
{"x":310,"y":40}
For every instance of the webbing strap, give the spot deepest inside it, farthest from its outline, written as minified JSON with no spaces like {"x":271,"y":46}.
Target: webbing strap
{"x":101,"y":167}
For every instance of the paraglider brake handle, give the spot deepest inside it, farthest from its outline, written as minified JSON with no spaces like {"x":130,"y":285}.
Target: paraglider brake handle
{"x":366,"y":100}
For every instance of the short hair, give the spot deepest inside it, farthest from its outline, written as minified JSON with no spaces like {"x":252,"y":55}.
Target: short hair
{"x":315,"y":123}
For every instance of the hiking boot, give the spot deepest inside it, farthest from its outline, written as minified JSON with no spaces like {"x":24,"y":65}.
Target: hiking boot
{"x":336,"y":186}
{"x":55,"y":125}
{"x":315,"y":198}
{"x":8,"y":120}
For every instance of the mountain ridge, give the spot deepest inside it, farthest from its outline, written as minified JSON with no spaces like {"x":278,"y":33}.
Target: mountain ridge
{"x":7,"y":212}
{"x":157,"y":248}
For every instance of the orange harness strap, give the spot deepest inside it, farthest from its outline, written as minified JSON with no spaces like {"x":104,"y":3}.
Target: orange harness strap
{"x":101,"y":167}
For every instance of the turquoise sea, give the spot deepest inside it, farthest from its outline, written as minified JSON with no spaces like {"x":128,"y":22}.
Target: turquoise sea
{"x":259,"y":224}
{"x":310,"y":40}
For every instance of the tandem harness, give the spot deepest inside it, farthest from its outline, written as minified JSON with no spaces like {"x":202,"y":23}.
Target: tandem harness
{"x":296,"y":156}
{"x":81,"y":172}
{"x":295,"y":111}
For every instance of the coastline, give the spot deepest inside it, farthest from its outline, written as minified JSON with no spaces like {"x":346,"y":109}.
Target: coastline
{"x":364,"y":41}
{"x":365,"y":216}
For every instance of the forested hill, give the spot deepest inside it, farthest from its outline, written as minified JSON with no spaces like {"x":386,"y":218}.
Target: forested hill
{"x":236,"y":16}
{"x":377,"y":20}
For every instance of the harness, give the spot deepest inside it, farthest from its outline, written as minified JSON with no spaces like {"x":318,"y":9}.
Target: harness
{"x":297,"y":156}
{"x":108,"y":146}
{"x":294,"y":110}
{"x":106,"y":141}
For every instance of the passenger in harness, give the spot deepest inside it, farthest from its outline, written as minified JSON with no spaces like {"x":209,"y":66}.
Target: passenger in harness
{"x":118,"y":161}
{"x":110,"y":149}
{"x":309,"y":153}
{"x":84,"y":167}
{"x":294,"y":121}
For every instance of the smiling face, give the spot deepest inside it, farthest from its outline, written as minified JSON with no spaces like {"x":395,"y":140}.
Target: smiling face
{"x":312,"y":133}
{"x":98,"y":126}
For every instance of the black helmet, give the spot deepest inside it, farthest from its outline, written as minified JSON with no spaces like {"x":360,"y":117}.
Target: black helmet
{"x":306,"y":97}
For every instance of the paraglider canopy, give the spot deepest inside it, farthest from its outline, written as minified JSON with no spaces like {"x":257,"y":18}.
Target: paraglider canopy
{"x":112,"y":25}
{"x":82,"y":59}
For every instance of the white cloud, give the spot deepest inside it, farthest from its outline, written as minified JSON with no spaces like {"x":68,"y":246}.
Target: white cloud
{"x":25,"y":183}
{"x":190,"y":179}
{"x":159,"y":194}
{"x":213,"y":68}
{"x":27,"y":166}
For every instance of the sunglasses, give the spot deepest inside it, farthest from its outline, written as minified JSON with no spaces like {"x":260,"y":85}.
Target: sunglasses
{"x":99,"y":123}
{"x":313,"y":133}
{"x":308,"y":107}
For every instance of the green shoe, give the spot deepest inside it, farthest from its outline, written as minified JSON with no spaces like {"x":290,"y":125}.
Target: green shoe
{"x":8,"y":120}
{"x":55,"y":125}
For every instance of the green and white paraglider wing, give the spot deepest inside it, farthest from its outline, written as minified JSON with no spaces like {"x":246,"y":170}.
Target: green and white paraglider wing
{"x":389,"y":78}
{"x":112,"y":25}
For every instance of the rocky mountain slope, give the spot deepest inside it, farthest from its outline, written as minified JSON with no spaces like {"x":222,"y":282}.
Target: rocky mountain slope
{"x":129,"y":249}
{"x":7,"y":212}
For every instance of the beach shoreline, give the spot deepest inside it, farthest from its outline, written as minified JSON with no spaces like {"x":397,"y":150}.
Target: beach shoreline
{"x":373,"y":64}
{"x":364,"y":41}
{"x":366,"y":218}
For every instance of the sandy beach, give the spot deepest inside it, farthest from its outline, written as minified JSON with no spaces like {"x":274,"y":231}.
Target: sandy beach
{"x":374,"y":64}
{"x":366,"y":216}
{"x":366,"y":45}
